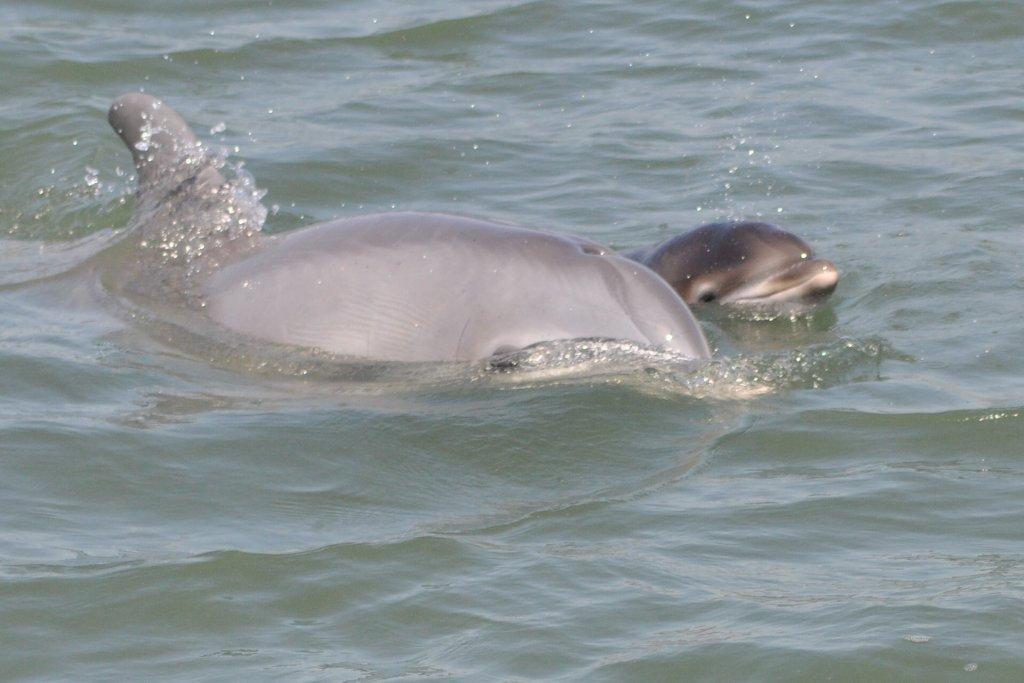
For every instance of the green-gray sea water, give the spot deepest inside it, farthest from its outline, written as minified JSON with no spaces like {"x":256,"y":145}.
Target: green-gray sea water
{"x":837,"y":496}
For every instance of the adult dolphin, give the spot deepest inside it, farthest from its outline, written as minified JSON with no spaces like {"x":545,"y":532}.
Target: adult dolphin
{"x":740,"y":262}
{"x":394,"y":286}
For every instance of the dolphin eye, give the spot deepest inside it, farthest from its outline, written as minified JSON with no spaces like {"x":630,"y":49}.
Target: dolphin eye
{"x":706,"y":297}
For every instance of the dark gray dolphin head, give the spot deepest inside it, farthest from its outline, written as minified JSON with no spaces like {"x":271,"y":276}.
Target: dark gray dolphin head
{"x":741,"y":262}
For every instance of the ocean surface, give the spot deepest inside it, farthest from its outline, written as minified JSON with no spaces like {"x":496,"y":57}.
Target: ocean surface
{"x":839,"y":495}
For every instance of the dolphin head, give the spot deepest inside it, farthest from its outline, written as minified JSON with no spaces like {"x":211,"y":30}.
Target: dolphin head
{"x":743,"y":262}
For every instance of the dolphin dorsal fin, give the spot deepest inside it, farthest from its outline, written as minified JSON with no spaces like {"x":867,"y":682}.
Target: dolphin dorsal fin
{"x":161,"y":143}
{"x":186,"y":211}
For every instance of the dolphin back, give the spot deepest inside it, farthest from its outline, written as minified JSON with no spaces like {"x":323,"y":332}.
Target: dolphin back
{"x":432,"y":287}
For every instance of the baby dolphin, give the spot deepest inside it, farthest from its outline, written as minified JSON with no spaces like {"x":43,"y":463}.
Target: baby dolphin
{"x":393,"y":286}
{"x":740,"y":262}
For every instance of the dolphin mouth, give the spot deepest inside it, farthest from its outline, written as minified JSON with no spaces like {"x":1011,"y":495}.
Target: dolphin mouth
{"x":805,"y":282}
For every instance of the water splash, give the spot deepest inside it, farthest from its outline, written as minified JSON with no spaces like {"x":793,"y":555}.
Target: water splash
{"x":192,"y":207}
{"x":198,"y":213}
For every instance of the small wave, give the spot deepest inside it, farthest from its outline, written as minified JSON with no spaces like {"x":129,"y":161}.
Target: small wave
{"x":736,"y":376}
{"x":67,"y":206}
{"x":26,"y":261}
{"x":727,"y":378}
{"x":61,"y":224}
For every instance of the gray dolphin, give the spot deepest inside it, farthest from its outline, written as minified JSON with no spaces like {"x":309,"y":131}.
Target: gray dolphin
{"x":740,"y":262}
{"x":394,"y":286}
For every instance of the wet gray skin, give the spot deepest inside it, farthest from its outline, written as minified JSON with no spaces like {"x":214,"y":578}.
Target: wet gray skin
{"x":740,"y":262}
{"x":394,"y":286}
